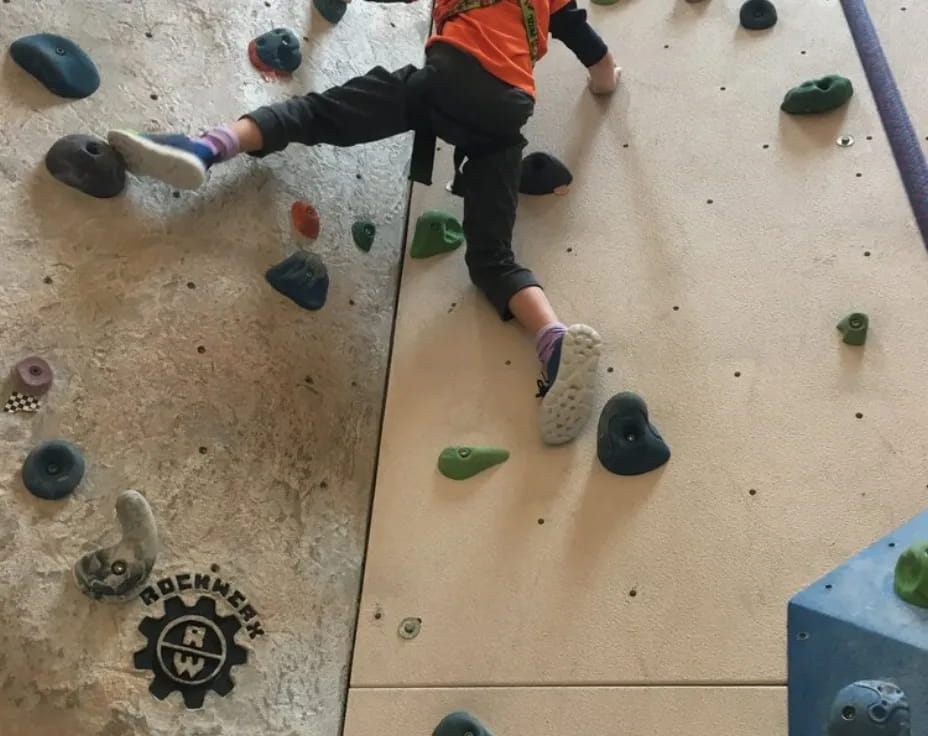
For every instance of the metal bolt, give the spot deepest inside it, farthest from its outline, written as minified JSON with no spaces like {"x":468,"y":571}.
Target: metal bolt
{"x":118,"y":567}
{"x":409,"y":628}
{"x":845,"y":141}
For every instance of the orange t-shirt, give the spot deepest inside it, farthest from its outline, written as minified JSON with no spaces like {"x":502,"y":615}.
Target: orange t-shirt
{"x":495,"y":35}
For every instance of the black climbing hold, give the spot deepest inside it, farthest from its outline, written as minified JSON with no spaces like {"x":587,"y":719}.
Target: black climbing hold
{"x":279,"y":49}
{"x":332,"y":10}
{"x":870,"y":708}
{"x":87,"y":163}
{"x":58,"y":63}
{"x":363,"y":233}
{"x":542,"y":173}
{"x":302,"y":277}
{"x":758,"y":15}
{"x":53,"y":469}
{"x":460,"y":724}
{"x":626,"y":442}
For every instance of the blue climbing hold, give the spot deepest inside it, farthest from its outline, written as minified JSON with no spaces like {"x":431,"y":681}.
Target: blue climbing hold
{"x":58,"y":63}
{"x":460,"y":724}
{"x":87,"y":163}
{"x":53,"y":469}
{"x":279,"y":50}
{"x":332,"y":10}
{"x":627,"y":443}
{"x":303,"y":278}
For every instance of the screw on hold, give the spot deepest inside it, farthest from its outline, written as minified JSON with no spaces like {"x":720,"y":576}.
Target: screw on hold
{"x":845,"y":141}
{"x":410,"y":627}
{"x":854,"y":328}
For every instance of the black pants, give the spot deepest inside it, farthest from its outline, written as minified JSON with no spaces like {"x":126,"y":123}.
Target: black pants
{"x":457,"y":100}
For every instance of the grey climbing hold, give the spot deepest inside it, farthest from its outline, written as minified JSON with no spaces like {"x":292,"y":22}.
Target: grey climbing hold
{"x":53,"y":469}
{"x":87,"y":163}
{"x":870,"y":708}
{"x":542,"y":173}
{"x":58,"y":63}
{"x":758,"y":15}
{"x":118,"y":572}
{"x":461,"y":463}
{"x":332,"y":10}
{"x":277,"y":50}
{"x":363,"y":233}
{"x":436,"y":232}
{"x":854,"y":328}
{"x":460,"y":723}
{"x":626,"y":441}
{"x":303,"y":278}
{"x":33,"y":376}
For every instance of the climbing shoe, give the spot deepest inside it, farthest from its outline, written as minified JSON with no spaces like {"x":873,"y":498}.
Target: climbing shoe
{"x":567,"y":384}
{"x":173,"y":158}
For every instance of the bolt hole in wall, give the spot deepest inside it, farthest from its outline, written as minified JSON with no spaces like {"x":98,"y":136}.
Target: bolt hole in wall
{"x":802,"y":635}
{"x":201,"y":349}
{"x":859,"y":415}
{"x":752,"y":492}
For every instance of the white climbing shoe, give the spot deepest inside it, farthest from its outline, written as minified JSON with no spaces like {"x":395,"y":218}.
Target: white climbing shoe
{"x":175,"y":159}
{"x":568,"y":385}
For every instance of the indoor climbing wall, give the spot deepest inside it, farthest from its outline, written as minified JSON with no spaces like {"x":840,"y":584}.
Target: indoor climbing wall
{"x":246,"y":424}
{"x":715,"y":242}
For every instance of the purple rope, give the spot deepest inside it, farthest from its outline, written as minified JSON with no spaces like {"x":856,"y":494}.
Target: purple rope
{"x":910,"y":160}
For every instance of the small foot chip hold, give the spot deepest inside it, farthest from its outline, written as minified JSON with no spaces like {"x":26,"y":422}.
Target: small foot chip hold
{"x":305,"y":219}
{"x":88,"y":164}
{"x":277,"y":50}
{"x":854,"y":328}
{"x":363,"y":233}
{"x":53,"y":470}
{"x":460,"y":463}
{"x":542,"y":173}
{"x":460,"y":724}
{"x":332,"y":10}
{"x":118,"y":572}
{"x":818,"y":95}
{"x":911,"y":576}
{"x":870,"y":708}
{"x":58,"y":63}
{"x":436,"y":232}
{"x":33,"y":376}
{"x":627,"y":443}
{"x":303,"y":277}
{"x":758,"y":15}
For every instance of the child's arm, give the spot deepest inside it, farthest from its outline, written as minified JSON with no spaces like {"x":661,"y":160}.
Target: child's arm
{"x":569,"y":25}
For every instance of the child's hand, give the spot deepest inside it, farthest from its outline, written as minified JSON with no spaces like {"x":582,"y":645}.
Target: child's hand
{"x":604,"y":76}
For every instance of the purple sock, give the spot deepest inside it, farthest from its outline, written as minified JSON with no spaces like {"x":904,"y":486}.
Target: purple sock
{"x":222,"y":142}
{"x":547,"y":338}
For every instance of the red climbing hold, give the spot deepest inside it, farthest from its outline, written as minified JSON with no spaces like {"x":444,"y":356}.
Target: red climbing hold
{"x":267,"y":71}
{"x":305,"y":219}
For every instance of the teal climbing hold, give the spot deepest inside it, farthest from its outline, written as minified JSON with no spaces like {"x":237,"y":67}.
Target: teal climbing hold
{"x":818,"y":95}
{"x":58,"y":63}
{"x":627,"y":443}
{"x":363,"y":233}
{"x":303,"y":277}
{"x":460,"y":724}
{"x":277,"y":50}
{"x":436,"y":232}
{"x":854,"y":328}
{"x":332,"y":10}
{"x":758,"y":15}
{"x":53,"y":469}
{"x":461,"y":463}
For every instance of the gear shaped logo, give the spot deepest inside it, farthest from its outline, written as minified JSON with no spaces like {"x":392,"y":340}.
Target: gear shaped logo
{"x":190,"y":649}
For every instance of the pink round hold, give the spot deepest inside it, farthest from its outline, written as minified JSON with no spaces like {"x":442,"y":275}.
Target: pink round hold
{"x":34,"y":375}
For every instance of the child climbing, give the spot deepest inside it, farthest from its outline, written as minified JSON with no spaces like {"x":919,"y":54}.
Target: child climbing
{"x":476,"y":91}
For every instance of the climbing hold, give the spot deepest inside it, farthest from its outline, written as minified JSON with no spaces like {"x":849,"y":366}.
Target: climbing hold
{"x":363,"y":233}
{"x":436,"y":232}
{"x":305,"y":219}
{"x":53,"y":469}
{"x":303,"y":278}
{"x":604,"y":2}
{"x":117,"y":573}
{"x":87,"y":163}
{"x":818,"y":95}
{"x":33,"y":376}
{"x":542,"y":173}
{"x":460,"y":724}
{"x":758,"y":15}
{"x":460,"y":463}
{"x":911,"y":576}
{"x":58,"y":63}
{"x":276,"y":51}
{"x":627,"y":443}
{"x":854,"y":328}
{"x":870,"y":708}
{"x":332,"y":10}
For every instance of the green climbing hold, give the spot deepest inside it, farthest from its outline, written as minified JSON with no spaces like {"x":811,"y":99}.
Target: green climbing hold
{"x":461,"y":463}
{"x":854,"y":328}
{"x":818,"y":95}
{"x":460,"y":724}
{"x":436,"y":232}
{"x":363,"y":232}
{"x":911,"y":577}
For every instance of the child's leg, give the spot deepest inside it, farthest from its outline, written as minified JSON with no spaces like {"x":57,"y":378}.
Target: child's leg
{"x":569,"y":356}
{"x":366,"y":108}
